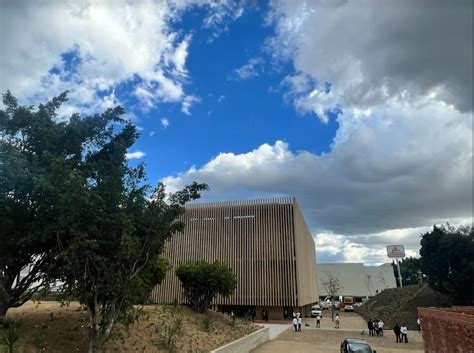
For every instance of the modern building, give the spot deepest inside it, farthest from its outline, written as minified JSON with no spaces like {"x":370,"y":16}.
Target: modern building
{"x":355,"y":279}
{"x":267,"y":244}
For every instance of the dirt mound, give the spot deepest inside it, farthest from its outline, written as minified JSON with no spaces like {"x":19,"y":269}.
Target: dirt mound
{"x":399,"y":305}
{"x":50,"y":327}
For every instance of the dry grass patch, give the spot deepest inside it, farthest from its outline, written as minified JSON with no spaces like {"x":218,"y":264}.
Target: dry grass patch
{"x":50,"y":327}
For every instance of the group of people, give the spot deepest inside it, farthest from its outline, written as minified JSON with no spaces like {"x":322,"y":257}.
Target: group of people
{"x":297,"y":321}
{"x":251,"y":314}
{"x":401,"y":333}
{"x":375,"y":327}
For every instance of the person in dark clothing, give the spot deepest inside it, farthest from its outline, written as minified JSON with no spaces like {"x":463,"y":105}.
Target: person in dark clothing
{"x":396,"y":330}
{"x":370,"y":326}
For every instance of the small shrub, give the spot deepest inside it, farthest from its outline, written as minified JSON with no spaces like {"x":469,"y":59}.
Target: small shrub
{"x":5,"y":322}
{"x":170,"y":333}
{"x":208,"y":323}
{"x":10,"y":336}
{"x":39,"y":339}
{"x":132,"y":316}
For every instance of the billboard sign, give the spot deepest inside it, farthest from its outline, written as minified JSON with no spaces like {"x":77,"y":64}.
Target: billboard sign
{"x":396,"y":251}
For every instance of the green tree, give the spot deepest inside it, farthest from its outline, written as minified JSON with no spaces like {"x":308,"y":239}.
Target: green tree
{"x":410,"y":269}
{"x":40,"y":167}
{"x":75,"y":211}
{"x":118,"y":231}
{"x":447,"y":259}
{"x":202,"y":281}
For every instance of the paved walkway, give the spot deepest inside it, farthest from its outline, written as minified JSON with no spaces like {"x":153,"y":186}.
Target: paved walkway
{"x":277,"y":329}
{"x":327,"y":339}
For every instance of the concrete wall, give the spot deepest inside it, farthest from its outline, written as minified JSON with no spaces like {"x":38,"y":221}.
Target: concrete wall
{"x":447,"y":330}
{"x":305,"y":251}
{"x":247,"y":343}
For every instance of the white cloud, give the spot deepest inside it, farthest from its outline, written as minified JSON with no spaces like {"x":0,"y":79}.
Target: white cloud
{"x":110,"y":42}
{"x":135,"y":155}
{"x":164,"y":122}
{"x":249,"y":70}
{"x":384,"y":175}
{"x":151,"y":133}
{"x":188,"y":103}
{"x":373,"y":52}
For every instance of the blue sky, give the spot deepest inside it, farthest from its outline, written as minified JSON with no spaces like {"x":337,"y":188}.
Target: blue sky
{"x":234,"y":114}
{"x":361,"y":110}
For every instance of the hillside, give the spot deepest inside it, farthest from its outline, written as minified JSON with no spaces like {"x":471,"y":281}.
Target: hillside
{"x":50,"y":327}
{"x":399,"y":305}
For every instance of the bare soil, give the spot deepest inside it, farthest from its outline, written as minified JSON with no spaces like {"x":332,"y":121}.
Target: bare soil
{"x":50,"y":327}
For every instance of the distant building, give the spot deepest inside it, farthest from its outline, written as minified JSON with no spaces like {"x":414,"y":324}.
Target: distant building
{"x":267,"y":244}
{"x":355,"y":279}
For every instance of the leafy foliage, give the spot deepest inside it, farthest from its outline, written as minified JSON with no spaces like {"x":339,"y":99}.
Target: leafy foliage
{"x":73,"y":208}
{"x":202,"y":281}
{"x":447,"y":258}
{"x":410,"y":269}
{"x":10,"y":336}
{"x":208,"y":323}
{"x":42,"y":168}
{"x":170,"y":333}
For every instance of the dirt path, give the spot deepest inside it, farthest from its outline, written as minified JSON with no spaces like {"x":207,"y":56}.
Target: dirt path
{"x":327,"y":339}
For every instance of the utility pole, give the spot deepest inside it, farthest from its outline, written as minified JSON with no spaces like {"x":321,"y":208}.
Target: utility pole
{"x":399,"y":274}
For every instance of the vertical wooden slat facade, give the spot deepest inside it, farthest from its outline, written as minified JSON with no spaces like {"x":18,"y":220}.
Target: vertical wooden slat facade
{"x":265,"y":242}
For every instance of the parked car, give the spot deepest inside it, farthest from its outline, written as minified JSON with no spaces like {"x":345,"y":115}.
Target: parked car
{"x":353,"y":345}
{"x":357,"y":304}
{"x":316,"y":310}
{"x":348,"y":308}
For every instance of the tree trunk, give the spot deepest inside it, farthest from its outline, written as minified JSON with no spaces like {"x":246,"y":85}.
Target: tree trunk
{"x":94,"y":341}
{"x":3,"y":308}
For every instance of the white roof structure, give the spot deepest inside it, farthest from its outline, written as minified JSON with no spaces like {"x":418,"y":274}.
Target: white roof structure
{"x":355,"y":279}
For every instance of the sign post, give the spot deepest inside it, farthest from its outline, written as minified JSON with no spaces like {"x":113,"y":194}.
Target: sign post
{"x":397,"y":252}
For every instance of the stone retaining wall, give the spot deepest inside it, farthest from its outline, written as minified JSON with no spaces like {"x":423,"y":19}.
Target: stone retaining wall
{"x":247,"y":343}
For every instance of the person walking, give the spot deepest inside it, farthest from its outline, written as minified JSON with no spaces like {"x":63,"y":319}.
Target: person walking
{"x":318,"y":321}
{"x":299,"y":323}
{"x":295,"y":323}
{"x":404,"y":331}
{"x":396,"y":330}
{"x":337,"y":321}
{"x":418,"y":322}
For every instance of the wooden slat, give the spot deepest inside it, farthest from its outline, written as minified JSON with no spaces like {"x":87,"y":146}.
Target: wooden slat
{"x":266,"y":243}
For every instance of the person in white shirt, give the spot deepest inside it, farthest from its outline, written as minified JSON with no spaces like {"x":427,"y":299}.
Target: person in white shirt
{"x":299,"y":323}
{"x":381,"y":327}
{"x":418,"y":322}
{"x":318,"y":321}
{"x":404,"y":332}
{"x":295,"y":323}
{"x":337,"y":321}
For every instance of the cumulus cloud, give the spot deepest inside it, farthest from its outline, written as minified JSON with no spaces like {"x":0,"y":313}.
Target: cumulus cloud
{"x":382,"y":177}
{"x":373,"y":52}
{"x":91,"y":47}
{"x":135,"y":155}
